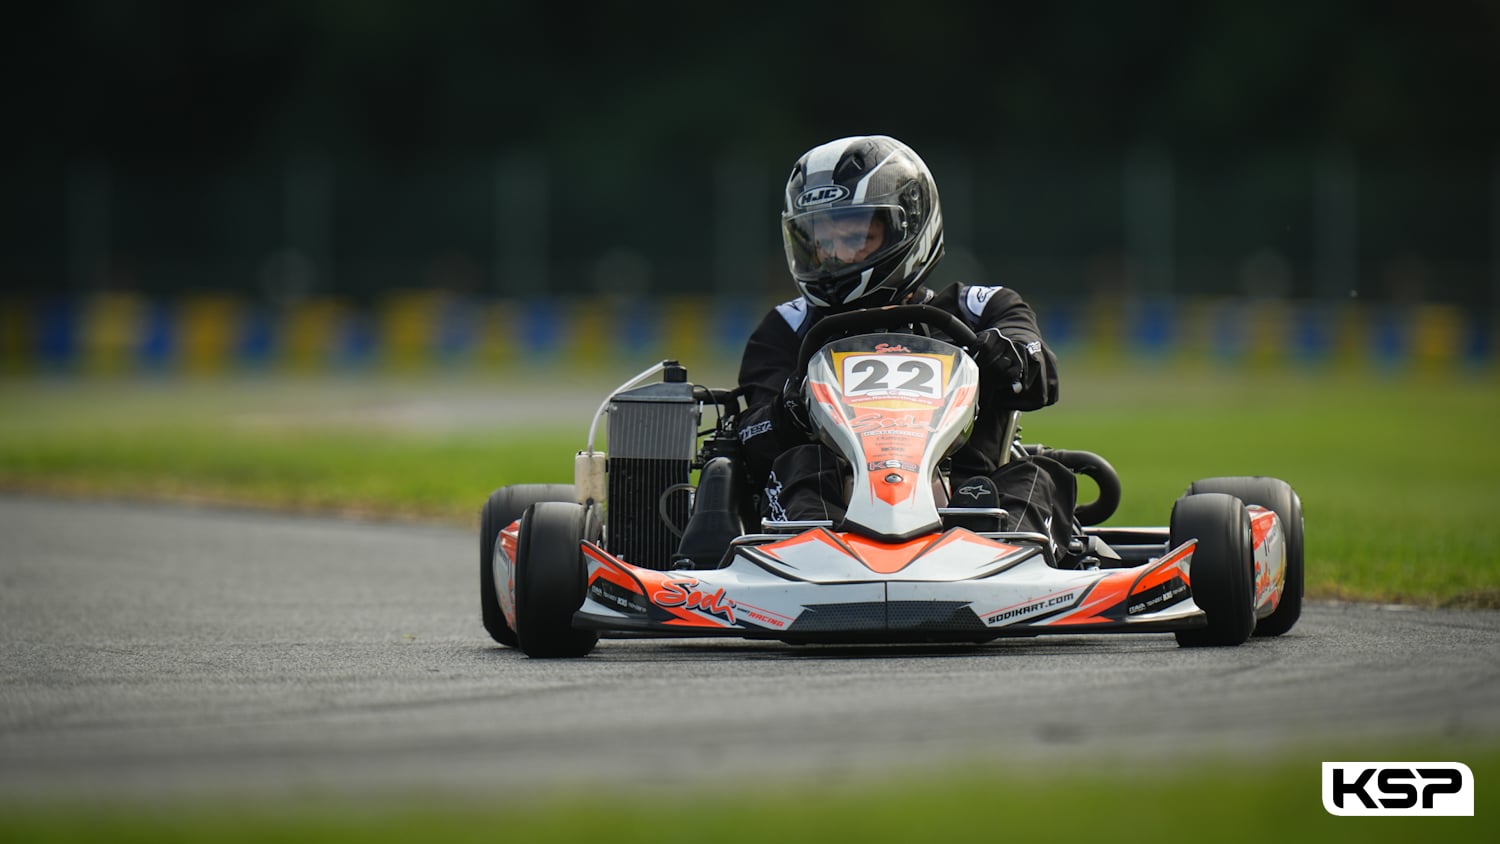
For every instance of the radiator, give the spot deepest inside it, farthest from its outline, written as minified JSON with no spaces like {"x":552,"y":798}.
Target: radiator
{"x":653,"y":434}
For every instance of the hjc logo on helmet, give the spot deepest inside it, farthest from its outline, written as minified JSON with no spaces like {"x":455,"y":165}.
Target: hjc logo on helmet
{"x":821,"y":195}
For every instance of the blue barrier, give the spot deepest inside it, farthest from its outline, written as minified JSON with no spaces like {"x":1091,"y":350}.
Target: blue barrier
{"x":56,"y":335}
{"x":158,"y":347}
{"x":256,"y":344}
{"x":1312,"y":338}
{"x":1478,"y":345}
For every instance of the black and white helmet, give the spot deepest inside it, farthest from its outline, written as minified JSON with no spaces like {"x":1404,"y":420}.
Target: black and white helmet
{"x":861,"y":222}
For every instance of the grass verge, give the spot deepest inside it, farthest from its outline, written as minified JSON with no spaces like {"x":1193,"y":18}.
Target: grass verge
{"x":1220,"y":800}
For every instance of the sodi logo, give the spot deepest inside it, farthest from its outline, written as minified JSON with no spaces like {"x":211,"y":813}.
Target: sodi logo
{"x":1364,"y":789}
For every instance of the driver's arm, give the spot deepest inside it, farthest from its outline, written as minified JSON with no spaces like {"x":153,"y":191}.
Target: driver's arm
{"x":770,"y":356}
{"x":1003,"y":310}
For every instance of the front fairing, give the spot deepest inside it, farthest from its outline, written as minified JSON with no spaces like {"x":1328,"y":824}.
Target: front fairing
{"x":893,"y":405}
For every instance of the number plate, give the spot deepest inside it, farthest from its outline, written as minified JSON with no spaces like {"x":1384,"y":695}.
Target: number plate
{"x":898,"y":376}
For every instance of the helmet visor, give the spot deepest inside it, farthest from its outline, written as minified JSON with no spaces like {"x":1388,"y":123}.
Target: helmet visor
{"x":842,"y":240}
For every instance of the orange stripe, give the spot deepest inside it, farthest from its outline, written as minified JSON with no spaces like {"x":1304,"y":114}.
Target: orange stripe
{"x":882,"y":558}
{"x":612,"y":571}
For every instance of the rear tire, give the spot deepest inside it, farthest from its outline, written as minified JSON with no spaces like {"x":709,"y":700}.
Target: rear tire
{"x":1276,"y":495}
{"x":1222,"y":567}
{"x":550,"y":579}
{"x":504,"y":506}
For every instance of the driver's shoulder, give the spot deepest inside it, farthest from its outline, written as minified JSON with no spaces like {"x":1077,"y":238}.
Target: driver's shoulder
{"x":794,"y":312}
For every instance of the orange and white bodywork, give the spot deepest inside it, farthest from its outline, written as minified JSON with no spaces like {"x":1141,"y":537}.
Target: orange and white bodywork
{"x":894,"y":405}
{"x":953,"y":584}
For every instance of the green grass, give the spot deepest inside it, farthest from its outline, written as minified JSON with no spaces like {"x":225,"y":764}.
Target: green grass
{"x":356,"y":473}
{"x":1397,"y":474}
{"x":1223,"y":800}
{"x":327,"y":445}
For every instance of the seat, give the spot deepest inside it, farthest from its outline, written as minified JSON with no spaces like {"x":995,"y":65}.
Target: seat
{"x":716,"y":517}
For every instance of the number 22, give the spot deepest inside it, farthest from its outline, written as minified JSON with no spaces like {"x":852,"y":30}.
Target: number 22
{"x":875,"y":372}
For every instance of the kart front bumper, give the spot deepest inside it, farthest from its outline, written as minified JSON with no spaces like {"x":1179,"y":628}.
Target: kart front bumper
{"x":1027,"y":598}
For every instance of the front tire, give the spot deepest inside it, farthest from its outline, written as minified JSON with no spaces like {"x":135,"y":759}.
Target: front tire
{"x":1222,"y":567}
{"x":1276,"y":495}
{"x":504,"y":506}
{"x":550,"y":579}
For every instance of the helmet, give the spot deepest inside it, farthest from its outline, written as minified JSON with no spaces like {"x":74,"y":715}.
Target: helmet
{"x":861,"y":222}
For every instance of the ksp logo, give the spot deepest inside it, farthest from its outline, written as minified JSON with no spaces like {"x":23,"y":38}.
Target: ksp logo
{"x":1398,"y":788}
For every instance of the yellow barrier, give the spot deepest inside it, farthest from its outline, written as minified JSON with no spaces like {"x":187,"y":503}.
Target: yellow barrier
{"x":499,"y":322}
{"x":111,"y":327}
{"x":311,"y":334}
{"x":586,"y":333}
{"x":684,"y":327}
{"x":209,"y":327}
{"x":17,"y":337}
{"x":407,"y":325}
{"x":1437,"y":332}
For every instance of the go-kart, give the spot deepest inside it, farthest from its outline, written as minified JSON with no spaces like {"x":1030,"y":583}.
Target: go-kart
{"x":635,"y":548}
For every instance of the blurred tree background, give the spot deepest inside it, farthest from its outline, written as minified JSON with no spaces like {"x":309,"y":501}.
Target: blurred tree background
{"x":281,"y":150}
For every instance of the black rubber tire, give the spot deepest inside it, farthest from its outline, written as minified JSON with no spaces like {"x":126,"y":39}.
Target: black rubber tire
{"x":504,"y":506}
{"x":550,"y":579}
{"x":1276,"y":495}
{"x":1221,"y":569}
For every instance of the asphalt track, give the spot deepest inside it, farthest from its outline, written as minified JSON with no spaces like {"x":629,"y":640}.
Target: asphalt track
{"x":158,"y":651}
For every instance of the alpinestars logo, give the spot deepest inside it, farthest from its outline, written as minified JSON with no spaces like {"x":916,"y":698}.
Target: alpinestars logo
{"x":1359,"y":789}
{"x":978,"y":297}
{"x":755,"y":430}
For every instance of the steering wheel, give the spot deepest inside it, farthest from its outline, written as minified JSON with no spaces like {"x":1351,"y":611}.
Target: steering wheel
{"x":873,"y":319}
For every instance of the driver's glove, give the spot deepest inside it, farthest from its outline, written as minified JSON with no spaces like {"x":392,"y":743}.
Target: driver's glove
{"x":791,"y":415}
{"x":1003,"y":357}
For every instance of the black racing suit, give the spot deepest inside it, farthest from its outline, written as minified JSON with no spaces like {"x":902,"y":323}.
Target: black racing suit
{"x":805,"y":480}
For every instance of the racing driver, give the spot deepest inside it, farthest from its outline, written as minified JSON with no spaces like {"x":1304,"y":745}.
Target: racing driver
{"x":863,"y":228}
